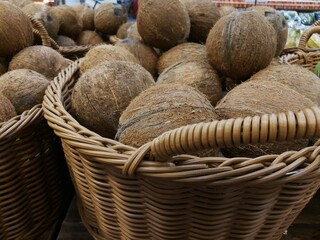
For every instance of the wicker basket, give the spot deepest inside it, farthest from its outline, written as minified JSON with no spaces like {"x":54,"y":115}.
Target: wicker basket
{"x":145,"y":193}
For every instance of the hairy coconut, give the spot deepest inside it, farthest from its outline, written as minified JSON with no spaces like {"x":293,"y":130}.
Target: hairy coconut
{"x":162,"y":108}
{"x":103,"y":92}
{"x":20,"y":3}
{"x":262,"y":9}
{"x":86,"y":14}
{"x":257,"y":98}
{"x":163,"y":23}
{"x":109,"y":17}
{"x":89,"y":38}
{"x":105,"y":52}
{"x":41,"y":59}
{"x":240,"y":44}
{"x":15,"y":30}
{"x":296,"y":77}
{"x":7,"y":110}
{"x":65,"y":41}
{"x":3,"y":66}
{"x":225,"y":10}
{"x":24,"y":88}
{"x":203,"y":15}
{"x":182,"y":52}
{"x":122,"y":31}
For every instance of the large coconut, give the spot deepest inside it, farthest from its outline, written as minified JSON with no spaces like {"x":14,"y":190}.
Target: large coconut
{"x":122,"y":31}
{"x":103,"y":92}
{"x":257,"y":98}
{"x":163,"y":23}
{"x":3,"y":66}
{"x":7,"y":110}
{"x":199,"y":75}
{"x":203,"y":15}
{"x":226,"y":10}
{"x":86,"y":14}
{"x":160,"y":109}
{"x":182,"y":52}
{"x":296,"y":77}
{"x":15,"y":30}
{"x":24,"y":88}
{"x":89,"y":38}
{"x":41,"y":59}
{"x":240,"y":44}
{"x":109,"y":17}
{"x":65,"y":41}
{"x":105,"y":52}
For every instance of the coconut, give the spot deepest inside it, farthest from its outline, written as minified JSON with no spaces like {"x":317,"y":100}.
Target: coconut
{"x":7,"y":110}
{"x":86,"y":14}
{"x":24,"y":88}
{"x":3,"y":66}
{"x":240,"y":44}
{"x":105,"y":52}
{"x":41,"y":59}
{"x":109,"y":17}
{"x":160,"y":109}
{"x":133,"y":33}
{"x":257,"y":98}
{"x":182,"y":52}
{"x":123,"y":29}
{"x":65,"y":41}
{"x":89,"y":38}
{"x":203,"y":15}
{"x":225,"y":10}
{"x":199,"y":75}
{"x":163,"y":23}
{"x":296,"y":77}
{"x":103,"y":92}
{"x":262,"y":9}
{"x":15,"y":30}
{"x":20,"y":3}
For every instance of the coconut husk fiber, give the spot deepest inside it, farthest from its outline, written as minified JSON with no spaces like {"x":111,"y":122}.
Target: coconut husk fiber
{"x":7,"y":110}
{"x":24,"y":88}
{"x":160,"y":109}
{"x":296,"y":77}
{"x":3,"y":66}
{"x":15,"y":30}
{"x":86,"y":14}
{"x":41,"y":59}
{"x":225,"y":10}
{"x":182,"y":52}
{"x":240,"y":44}
{"x":122,"y":31}
{"x":257,"y":98}
{"x":20,"y":3}
{"x":103,"y":92}
{"x":199,"y":75}
{"x":163,"y":23}
{"x":89,"y":38}
{"x":65,"y":41}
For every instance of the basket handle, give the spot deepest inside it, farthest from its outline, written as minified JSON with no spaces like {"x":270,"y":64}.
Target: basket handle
{"x":316,"y":23}
{"x":306,"y":36}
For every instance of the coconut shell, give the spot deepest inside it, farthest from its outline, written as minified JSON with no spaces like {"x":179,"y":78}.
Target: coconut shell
{"x":89,"y":38}
{"x":296,"y":77}
{"x":123,"y":29}
{"x":163,"y":23}
{"x":199,"y":75}
{"x":86,"y":14}
{"x":15,"y":30}
{"x":226,"y":10}
{"x":105,"y":52}
{"x":160,"y":109}
{"x":257,"y":98}
{"x":182,"y":52}
{"x":65,"y":41}
{"x":24,"y":88}
{"x":240,"y":44}
{"x":7,"y":110}
{"x":203,"y":15}
{"x":41,"y":59}
{"x":103,"y":92}
{"x":3,"y":66}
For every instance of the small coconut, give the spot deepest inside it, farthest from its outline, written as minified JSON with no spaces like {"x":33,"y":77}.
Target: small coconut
{"x":232,"y":49}
{"x":103,"y":92}
{"x":203,"y":15}
{"x":122,"y":31}
{"x":296,"y":77}
{"x":3,"y":66}
{"x":109,"y":17}
{"x":105,"y":52}
{"x":225,"y":10}
{"x":41,"y":59}
{"x":15,"y":30}
{"x":257,"y":98}
{"x":65,"y":41}
{"x":7,"y":110}
{"x":24,"y":88}
{"x":182,"y":52}
{"x":89,"y":38}
{"x":160,"y":109}
{"x":86,"y":14}
{"x":163,"y":23}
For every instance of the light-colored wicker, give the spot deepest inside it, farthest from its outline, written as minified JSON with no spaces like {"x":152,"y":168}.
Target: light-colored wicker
{"x":149,"y":193}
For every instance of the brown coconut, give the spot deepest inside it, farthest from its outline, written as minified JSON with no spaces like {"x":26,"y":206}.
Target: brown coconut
{"x":240,"y":44}
{"x":109,"y":17}
{"x":86,"y":14}
{"x":41,"y":59}
{"x":103,"y":92}
{"x":122,"y":31}
{"x":24,"y":88}
{"x":89,"y":38}
{"x":203,"y":15}
{"x":182,"y":52}
{"x":199,"y":75}
{"x":257,"y":98}
{"x":105,"y":52}
{"x":65,"y":41}
{"x":7,"y":110}
{"x":160,"y":109}
{"x":296,"y":77}
{"x":163,"y":23}
{"x":225,"y":10}
{"x":15,"y":30}
{"x":3,"y":66}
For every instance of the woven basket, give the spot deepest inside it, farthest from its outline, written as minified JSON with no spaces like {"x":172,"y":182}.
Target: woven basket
{"x":146,"y":193}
